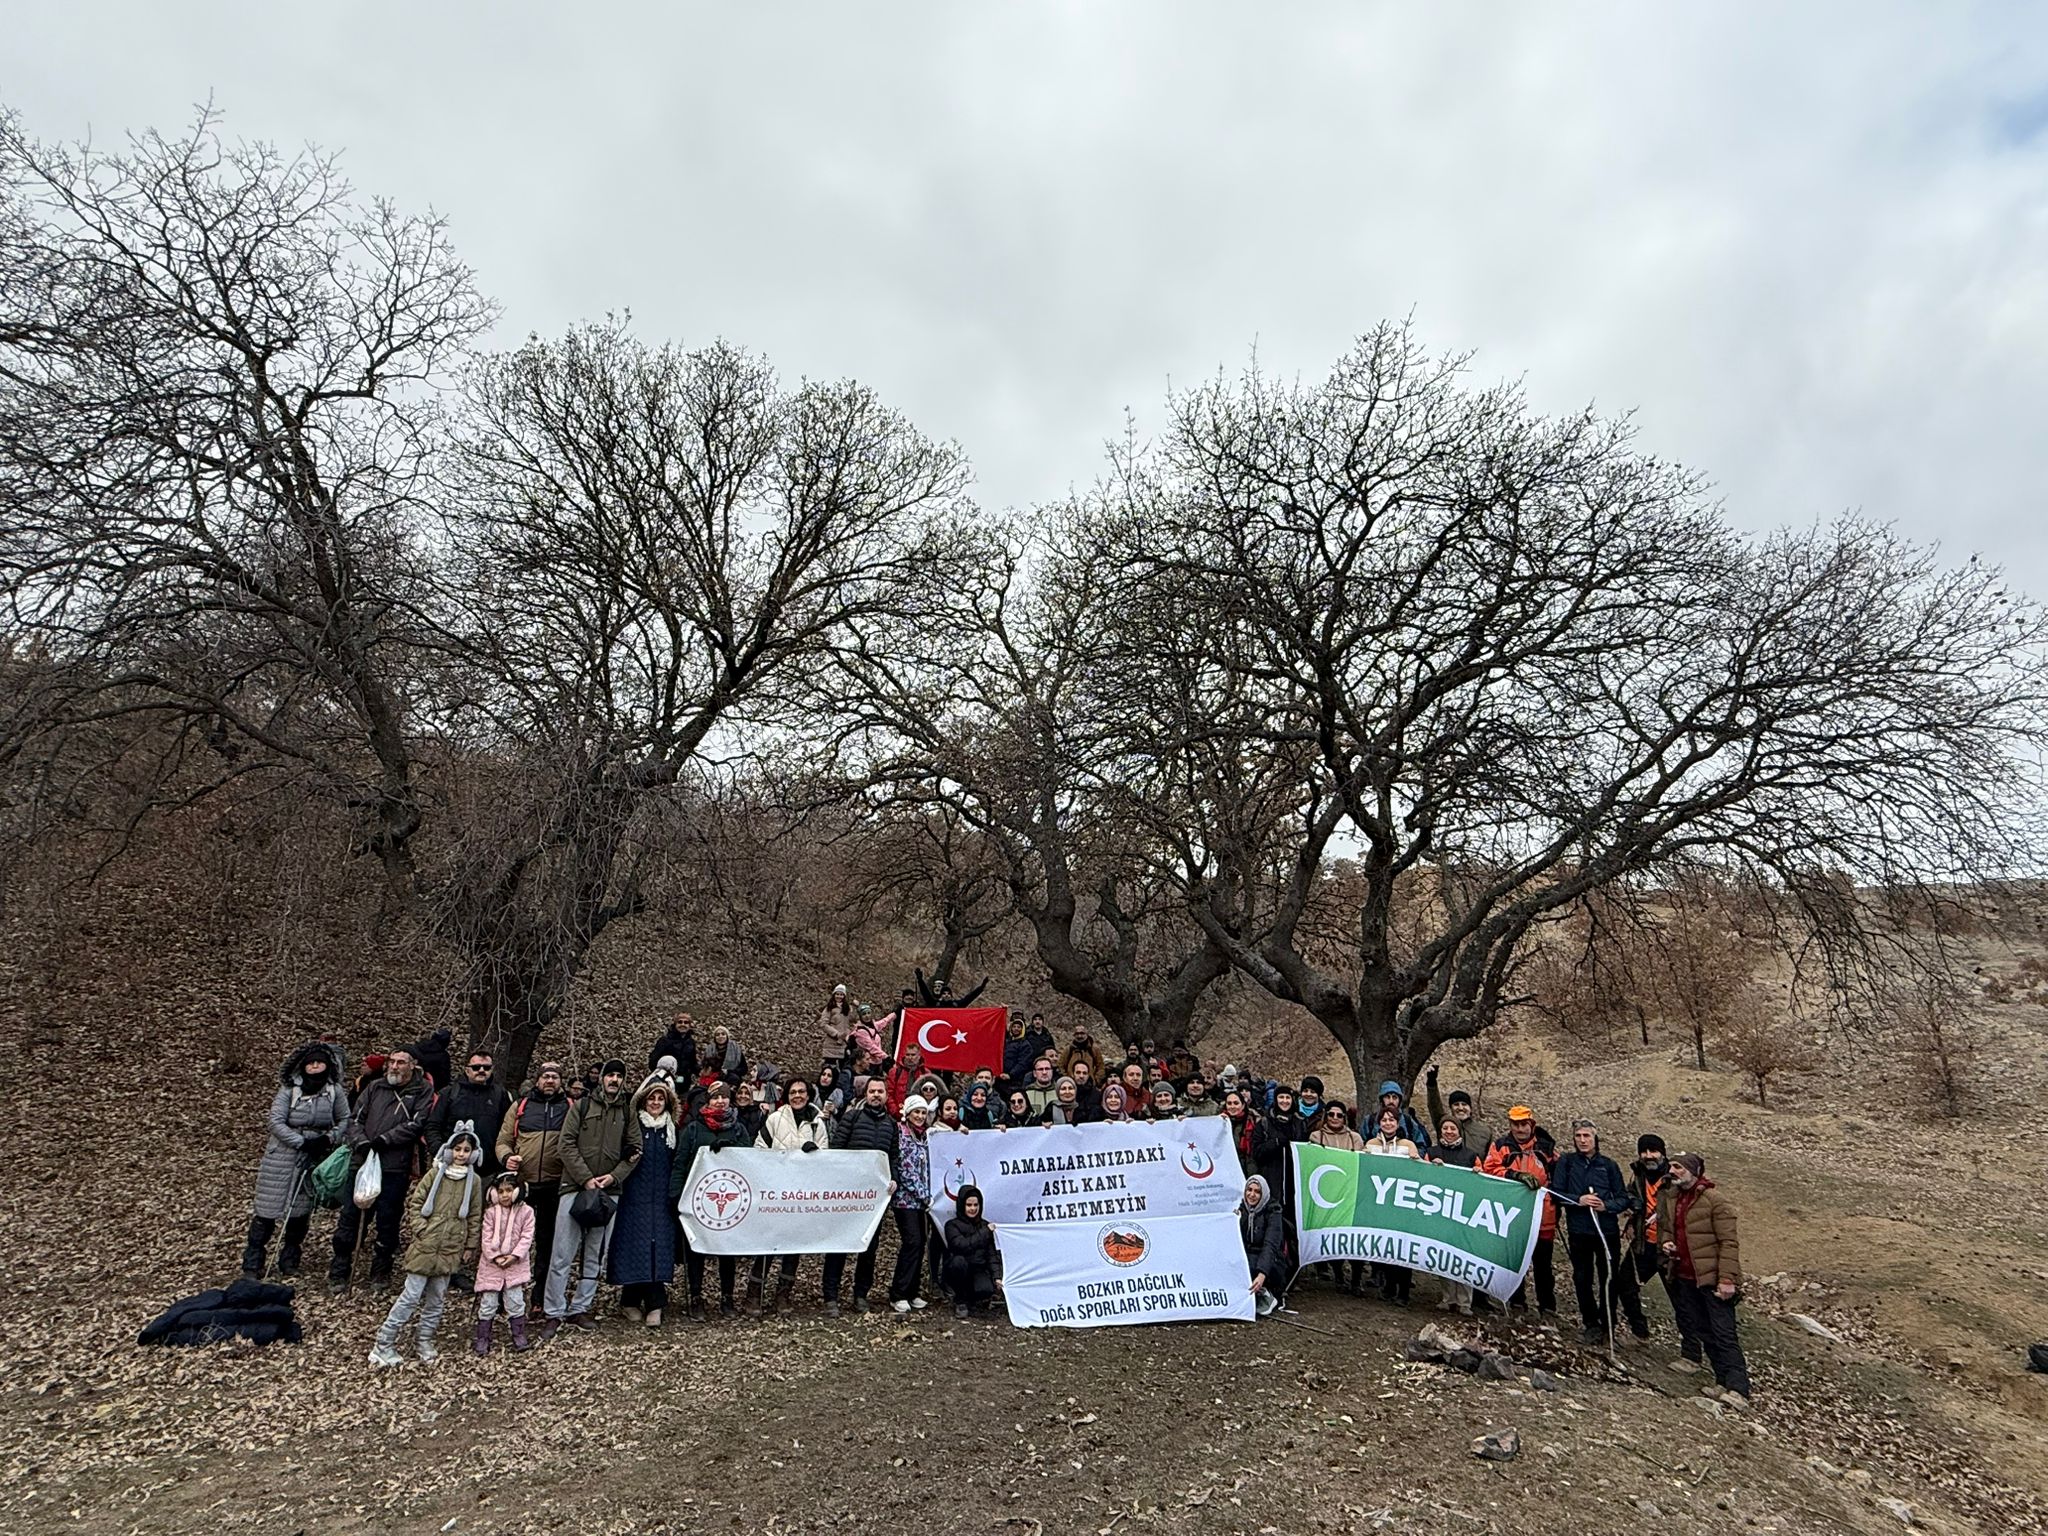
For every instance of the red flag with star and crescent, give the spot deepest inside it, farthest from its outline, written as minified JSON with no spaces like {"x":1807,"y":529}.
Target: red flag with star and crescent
{"x":954,"y":1039}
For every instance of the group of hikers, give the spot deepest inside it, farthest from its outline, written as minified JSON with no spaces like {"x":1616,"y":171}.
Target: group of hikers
{"x":577,"y":1179}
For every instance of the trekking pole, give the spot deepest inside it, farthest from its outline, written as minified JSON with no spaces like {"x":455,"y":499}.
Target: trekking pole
{"x":1609,"y":1288}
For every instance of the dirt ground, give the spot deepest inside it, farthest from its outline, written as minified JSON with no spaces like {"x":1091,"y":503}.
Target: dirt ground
{"x":129,"y":1150}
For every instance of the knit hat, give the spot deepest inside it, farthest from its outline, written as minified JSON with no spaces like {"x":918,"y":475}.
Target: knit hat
{"x":1649,"y":1141}
{"x":1458,"y":1096}
{"x":612,"y":1064}
{"x":1312,"y":1084}
{"x":917,"y":1101}
{"x":1693,"y":1162}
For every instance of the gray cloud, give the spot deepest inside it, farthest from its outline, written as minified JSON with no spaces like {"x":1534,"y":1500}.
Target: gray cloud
{"x":1807,"y":244}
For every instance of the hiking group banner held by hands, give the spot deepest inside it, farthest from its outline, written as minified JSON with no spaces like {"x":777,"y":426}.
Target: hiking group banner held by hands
{"x":1464,"y":1226}
{"x":1093,"y":1173}
{"x":1162,"y":1269}
{"x":749,"y":1200}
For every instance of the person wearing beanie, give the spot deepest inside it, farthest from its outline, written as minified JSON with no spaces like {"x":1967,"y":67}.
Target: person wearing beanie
{"x":1392,"y":1097}
{"x":1459,"y":1106}
{"x":444,"y":1230}
{"x":866,"y":1127}
{"x":1523,"y":1155}
{"x":432,"y":1056}
{"x":600,"y":1150}
{"x":913,"y":1194}
{"x":1704,"y":1256}
{"x":504,"y":1266}
{"x":1309,"y":1102}
{"x":389,"y":1116}
{"x":974,"y":1266}
{"x":1647,"y":1177}
{"x":1590,"y":1186}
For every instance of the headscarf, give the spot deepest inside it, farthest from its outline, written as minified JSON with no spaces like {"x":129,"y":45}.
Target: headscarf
{"x":663,"y":1124}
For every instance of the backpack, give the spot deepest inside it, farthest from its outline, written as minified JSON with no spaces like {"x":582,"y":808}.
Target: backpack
{"x":328,"y":1183}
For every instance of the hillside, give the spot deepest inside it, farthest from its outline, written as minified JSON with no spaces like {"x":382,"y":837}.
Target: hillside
{"x":143,"y":1027}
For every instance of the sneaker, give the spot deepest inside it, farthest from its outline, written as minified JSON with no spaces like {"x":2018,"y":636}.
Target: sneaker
{"x":653,"y":1317}
{"x":831,"y":1309}
{"x":582,"y":1320}
{"x":384,"y":1357}
{"x":631,"y":1314}
{"x":1686,"y":1367}
{"x":899,"y":1306}
{"x":424,"y":1348}
{"x":1711,"y":1389}
{"x":917,"y":1303}
{"x":860,"y":1304}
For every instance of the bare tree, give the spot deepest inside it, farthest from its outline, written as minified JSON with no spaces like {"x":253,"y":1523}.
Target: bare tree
{"x":1514,"y":658}
{"x":984,"y":715}
{"x":923,"y":864}
{"x":229,"y":504}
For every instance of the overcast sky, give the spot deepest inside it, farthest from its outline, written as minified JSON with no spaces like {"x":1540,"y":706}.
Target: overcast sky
{"x":1807,"y":244}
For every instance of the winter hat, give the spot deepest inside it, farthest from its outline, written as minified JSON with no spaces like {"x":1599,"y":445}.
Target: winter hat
{"x":840,"y":990}
{"x":444,"y":1168}
{"x":1390,"y":1086}
{"x":1459,"y":1096}
{"x":960,"y":1199}
{"x":1521,"y":1112}
{"x":1312,"y":1084}
{"x":917,"y":1101}
{"x":1693,"y":1162}
{"x":1649,"y":1141}
{"x":612,"y":1064}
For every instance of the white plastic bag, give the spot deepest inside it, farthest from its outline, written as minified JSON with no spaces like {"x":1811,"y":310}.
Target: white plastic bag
{"x":369,"y":1182}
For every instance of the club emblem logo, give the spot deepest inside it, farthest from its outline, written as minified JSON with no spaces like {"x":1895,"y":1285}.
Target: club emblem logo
{"x":1123,"y":1246}
{"x":1196,"y":1163}
{"x":722,"y":1199}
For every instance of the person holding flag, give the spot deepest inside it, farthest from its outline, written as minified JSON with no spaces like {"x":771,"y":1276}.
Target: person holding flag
{"x":951,"y":1041}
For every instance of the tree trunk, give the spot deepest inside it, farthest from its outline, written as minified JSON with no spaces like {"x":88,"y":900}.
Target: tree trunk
{"x":506,"y":1018}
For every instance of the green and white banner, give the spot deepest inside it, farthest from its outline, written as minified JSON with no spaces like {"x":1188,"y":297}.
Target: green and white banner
{"x":1469,"y":1227}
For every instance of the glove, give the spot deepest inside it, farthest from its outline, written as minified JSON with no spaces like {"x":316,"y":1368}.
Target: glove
{"x":316,"y":1148}
{"x":1430,"y":1075}
{"x":1528,"y":1181}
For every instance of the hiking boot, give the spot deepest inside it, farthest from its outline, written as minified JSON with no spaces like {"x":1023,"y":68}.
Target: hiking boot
{"x":549,"y":1328}
{"x":1592,"y":1337}
{"x":753,"y":1298}
{"x":520,"y":1342}
{"x":860,"y":1303}
{"x":483,"y":1338}
{"x":384,"y":1357}
{"x":960,"y":1309}
{"x":1730,"y":1398}
{"x":582,"y":1320}
{"x":1686,"y":1367}
{"x":695,"y":1313}
{"x":423,"y":1346}
{"x":337,"y":1287}
{"x":831,"y":1309}
{"x":782,"y":1290}
{"x":382,"y":1284}
{"x":288,"y":1263}
{"x":725,"y":1307}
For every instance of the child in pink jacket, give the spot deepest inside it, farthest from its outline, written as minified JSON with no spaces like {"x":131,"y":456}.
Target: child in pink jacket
{"x":505,"y":1261}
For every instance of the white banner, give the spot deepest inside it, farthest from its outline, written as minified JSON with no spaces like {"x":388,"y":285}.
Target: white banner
{"x":748,"y":1200}
{"x":1162,"y":1269}
{"x":1089,"y":1172}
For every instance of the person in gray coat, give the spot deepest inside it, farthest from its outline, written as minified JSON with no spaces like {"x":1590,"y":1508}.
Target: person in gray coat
{"x":308,"y":1118}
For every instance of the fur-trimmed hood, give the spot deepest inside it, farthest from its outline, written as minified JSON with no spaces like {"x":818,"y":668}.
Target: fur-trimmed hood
{"x":289,"y":1074}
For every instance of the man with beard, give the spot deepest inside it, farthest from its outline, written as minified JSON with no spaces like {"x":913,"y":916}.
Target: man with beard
{"x":389,"y":1117}
{"x":1648,"y":1175}
{"x":529,"y":1143}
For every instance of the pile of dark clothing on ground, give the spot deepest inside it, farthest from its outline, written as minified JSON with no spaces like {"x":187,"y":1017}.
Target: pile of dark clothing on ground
{"x":247,"y":1309}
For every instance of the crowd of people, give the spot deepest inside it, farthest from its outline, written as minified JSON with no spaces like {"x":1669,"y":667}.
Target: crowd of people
{"x":575,"y":1182}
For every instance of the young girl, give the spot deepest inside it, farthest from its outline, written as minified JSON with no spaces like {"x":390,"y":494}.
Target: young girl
{"x":506,"y":1267}
{"x":445,"y":1226}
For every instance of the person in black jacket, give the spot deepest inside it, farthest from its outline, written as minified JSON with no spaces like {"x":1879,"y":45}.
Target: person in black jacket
{"x":431,"y":1056}
{"x":867,"y":1127}
{"x":680,"y":1041}
{"x":478,"y":1099}
{"x":974,"y":1267}
{"x":1264,"y":1231}
{"x":389,"y":1116}
{"x":1590,"y":1187}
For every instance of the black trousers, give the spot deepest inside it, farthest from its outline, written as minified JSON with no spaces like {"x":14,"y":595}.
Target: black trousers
{"x":545,"y":1200}
{"x":935,"y":1257}
{"x":863,"y":1269}
{"x":261,"y":1228}
{"x":910,"y":1229}
{"x":648,"y":1296}
{"x":1543,"y":1273}
{"x":693,"y":1266}
{"x":1604,"y":1289}
{"x":389,"y":1216}
{"x":1713,"y":1324}
{"x":1689,"y":1343}
{"x":787,"y":1265}
{"x":972,"y":1285}
{"x":1396,"y":1281}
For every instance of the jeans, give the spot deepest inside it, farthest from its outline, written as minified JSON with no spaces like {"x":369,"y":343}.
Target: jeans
{"x":910,"y":1228}
{"x":863,"y":1270}
{"x":487,"y":1303}
{"x":260,"y":1230}
{"x":424,"y":1295}
{"x":389,"y":1213}
{"x":1713,"y":1324}
{"x":575,"y":1242}
{"x":545,"y":1199}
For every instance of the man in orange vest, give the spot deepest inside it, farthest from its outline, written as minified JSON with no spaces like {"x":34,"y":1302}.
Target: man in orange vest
{"x":1526,"y":1154}
{"x":1647,"y":1177}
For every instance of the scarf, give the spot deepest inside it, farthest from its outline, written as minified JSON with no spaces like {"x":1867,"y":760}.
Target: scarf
{"x":1244,"y":1135}
{"x":716,"y":1113}
{"x":663,"y":1122}
{"x":446,"y":1170}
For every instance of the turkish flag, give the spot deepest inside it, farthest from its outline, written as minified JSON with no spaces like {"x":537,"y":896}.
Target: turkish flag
{"x":954,"y":1039}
